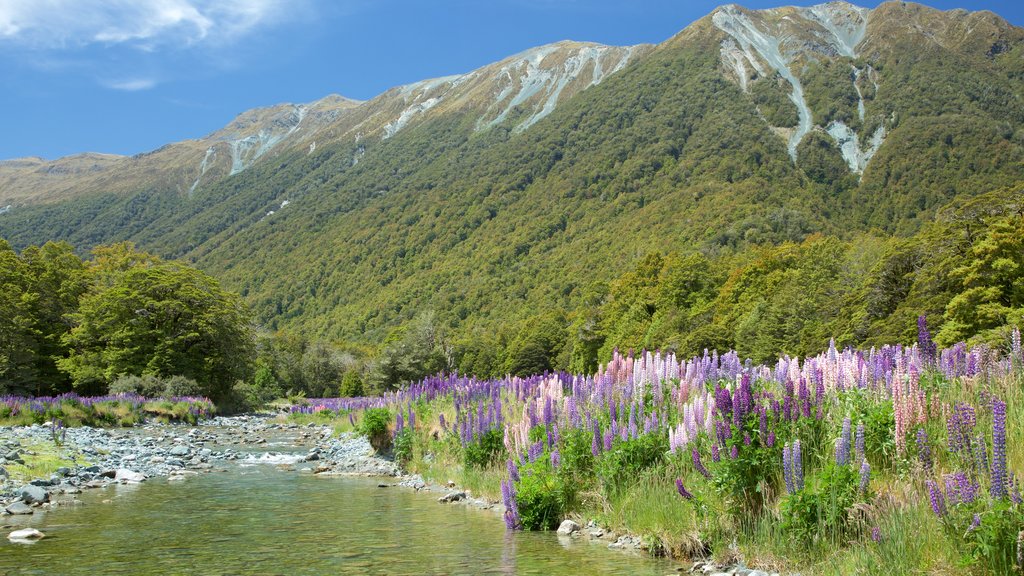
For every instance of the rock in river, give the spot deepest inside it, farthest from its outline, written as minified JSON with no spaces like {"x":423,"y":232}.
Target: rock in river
{"x":33,"y":494}
{"x":18,"y":507}
{"x":25,"y":534}
{"x":568,"y":527}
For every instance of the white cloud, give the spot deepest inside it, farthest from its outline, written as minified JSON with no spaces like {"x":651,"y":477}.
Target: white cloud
{"x":131,"y":84}
{"x":144,"y":24}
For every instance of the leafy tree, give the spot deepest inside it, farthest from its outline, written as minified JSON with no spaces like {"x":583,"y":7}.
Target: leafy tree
{"x":18,"y":336}
{"x":351,"y":385}
{"x":165,"y":319}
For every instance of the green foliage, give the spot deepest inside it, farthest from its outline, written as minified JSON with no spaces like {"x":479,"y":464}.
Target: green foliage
{"x":486,"y":449}
{"x":821,"y":511}
{"x":351,"y":385}
{"x":403,"y":447}
{"x":411,"y":354}
{"x":993,"y":543}
{"x":620,"y":467}
{"x":165,"y":319}
{"x":539,"y":496}
{"x":375,"y":427}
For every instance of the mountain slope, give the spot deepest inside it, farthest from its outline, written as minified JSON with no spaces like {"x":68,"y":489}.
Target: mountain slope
{"x":489,"y":194}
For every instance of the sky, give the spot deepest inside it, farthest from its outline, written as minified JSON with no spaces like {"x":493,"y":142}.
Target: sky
{"x":128,"y":76}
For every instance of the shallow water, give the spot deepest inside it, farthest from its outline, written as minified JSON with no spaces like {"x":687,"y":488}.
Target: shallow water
{"x":259,"y":519}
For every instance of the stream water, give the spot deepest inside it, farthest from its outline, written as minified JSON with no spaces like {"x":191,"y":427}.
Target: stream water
{"x":259,"y":519}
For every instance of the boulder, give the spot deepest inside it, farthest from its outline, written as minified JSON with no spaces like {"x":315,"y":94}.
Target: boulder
{"x":18,"y":507}
{"x":4,"y":473}
{"x":25,"y":534}
{"x":129,"y":476}
{"x":568,"y":527}
{"x":452,"y":497}
{"x":179,"y":450}
{"x":33,"y":494}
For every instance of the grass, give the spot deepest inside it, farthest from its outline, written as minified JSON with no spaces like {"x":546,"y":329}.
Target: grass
{"x":41,"y":460}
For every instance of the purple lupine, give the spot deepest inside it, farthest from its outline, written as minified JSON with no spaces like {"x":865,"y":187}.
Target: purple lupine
{"x":535,"y":450}
{"x":876,"y":534}
{"x":843,"y":444}
{"x":924,"y":340}
{"x":924,"y":450}
{"x":399,"y":424}
{"x":998,"y":489}
{"x":734,"y":452}
{"x":556,"y":459}
{"x":1015,"y":346}
{"x":770,"y":441}
{"x":974,"y":523}
{"x":938,"y":502}
{"x":723,"y":401}
{"x":960,"y":427}
{"x":697,"y":464}
{"x":1015,"y":496}
{"x":715,"y":455}
{"x":595,"y":443}
{"x":608,"y":437}
{"x":859,"y":444}
{"x":508,"y":497}
{"x":865,"y":476}
{"x":763,"y":424}
{"x":805,"y":398}
{"x":682,"y":489}
{"x":787,"y":468}
{"x":513,"y":470}
{"x":442,"y":422}
{"x":798,"y":466}
{"x":981,"y":455}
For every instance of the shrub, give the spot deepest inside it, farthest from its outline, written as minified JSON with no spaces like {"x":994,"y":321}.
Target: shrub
{"x":403,"y":447}
{"x":351,"y":385}
{"x":487,"y":449}
{"x":145,"y":385}
{"x":177,"y":386}
{"x":539,"y":497}
{"x":821,"y":512}
{"x":627,"y":459}
{"x":375,"y":427}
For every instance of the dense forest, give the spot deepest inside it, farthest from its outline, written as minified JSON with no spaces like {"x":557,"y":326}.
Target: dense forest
{"x":73,"y":324}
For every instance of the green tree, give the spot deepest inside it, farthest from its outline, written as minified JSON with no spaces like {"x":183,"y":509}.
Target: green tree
{"x":351,"y":385}
{"x":18,"y":336}
{"x":165,"y":319}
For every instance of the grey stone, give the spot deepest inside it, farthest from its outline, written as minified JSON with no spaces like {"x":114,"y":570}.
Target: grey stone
{"x":4,"y":473}
{"x":26,"y":534}
{"x":568,"y":527}
{"x":18,"y":508}
{"x":129,"y":476}
{"x":452,"y":497}
{"x":33,"y":494}
{"x":179,"y":450}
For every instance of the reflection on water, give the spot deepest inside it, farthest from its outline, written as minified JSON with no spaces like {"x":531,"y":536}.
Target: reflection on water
{"x":262,"y":520}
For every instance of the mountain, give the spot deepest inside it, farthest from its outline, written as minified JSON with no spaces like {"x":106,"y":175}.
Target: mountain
{"x":489,"y":195}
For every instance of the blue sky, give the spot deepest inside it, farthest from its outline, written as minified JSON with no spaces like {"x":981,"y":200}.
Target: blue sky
{"x":127,"y":76}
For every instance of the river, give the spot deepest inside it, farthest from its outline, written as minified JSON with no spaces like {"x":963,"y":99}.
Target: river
{"x":256,"y":518}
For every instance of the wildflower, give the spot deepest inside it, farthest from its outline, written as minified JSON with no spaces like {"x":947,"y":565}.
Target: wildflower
{"x":924,"y":451}
{"x":734,"y":453}
{"x":843,"y":444}
{"x":974,"y":523}
{"x":508,"y":497}
{"x":787,"y":468}
{"x":859,"y":444}
{"x":876,"y":534}
{"x":865,"y":476}
{"x":513,"y":470}
{"x":998,"y":449}
{"x":682,"y":489}
{"x":937,"y":500}
{"x":924,"y":340}
{"x":715,"y":456}
{"x":697,"y":464}
{"x":798,"y":466}
{"x":556,"y":458}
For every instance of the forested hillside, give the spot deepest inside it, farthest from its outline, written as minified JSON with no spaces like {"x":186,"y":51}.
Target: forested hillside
{"x":764,"y":180}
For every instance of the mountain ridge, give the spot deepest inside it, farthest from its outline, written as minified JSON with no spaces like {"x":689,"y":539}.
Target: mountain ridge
{"x":524,"y":182}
